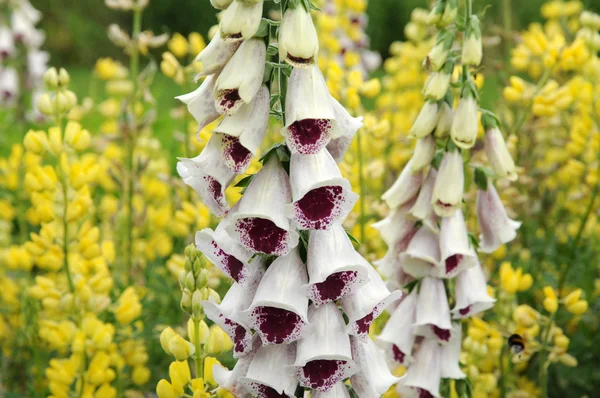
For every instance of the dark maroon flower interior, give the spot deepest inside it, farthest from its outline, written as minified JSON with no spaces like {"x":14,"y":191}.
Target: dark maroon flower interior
{"x":399,"y":356}
{"x":452,"y":262}
{"x":215,"y":189}
{"x":442,"y":334}
{"x":465,"y":311}
{"x":268,"y":392}
{"x":236,"y":155}
{"x":363,"y":324}
{"x":240,"y":336}
{"x":424,"y":393}
{"x":309,"y":135}
{"x":278,"y":326}
{"x":318,"y":208}
{"x":230,"y":265}
{"x":334,"y":287}
{"x":322,"y":374}
{"x":262,"y":235}
{"x":229,"y":98}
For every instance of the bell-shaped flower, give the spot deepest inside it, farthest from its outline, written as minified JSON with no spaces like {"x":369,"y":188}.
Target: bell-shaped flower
{"x":321,"y":196}
{"x":457,"y":252}
{"x":369,"y":301}
{"x":7,"y":44}
{"x":423,"y":154}
{"x":200,"y":103}
{"x":245,"y":131}
{"x":37,"y":65}
{"x":433,"y":313}
{"x":310,"y":116}
{"x":439,"y":53}
{"x":220,"y":4}
{"x":298,"y":41}
{"x":241,"y":77}
{"x":397,"y":337}
{"x":422,"y":256}
{"x":270,"y":374}
{"x":232,"y":258}
{"x":423,"y":377}
{"x":338,"y":390}
{"x":444,"y":124}
{"x":472,"y":51}
{"x":465,"y":122}
{"x":374,"y":377}
{"x":216,"y":54}
{"x":9,"y":85}
{"x":324,"y":357}
{"x":422,"y":209}
{"x":279,"y":310}
{"x":24,"y":31}
{"x":230,"y":379}
{"x":208,"y":175}
{"x":228,"y":315}
{"x":426,"y":120}
{"x":240,"y":21}
{"x":406,"y":186}
{"x":449,"y":185}
{"x":335,"y":269}
{"x":437,"y":83}
{"x":450,"y":355}
{"x":471,"y":293}
{"x":495,"y":225}
{"x":349,"y":125}
{"x":498,"y":155}
{"x":260,"y":224}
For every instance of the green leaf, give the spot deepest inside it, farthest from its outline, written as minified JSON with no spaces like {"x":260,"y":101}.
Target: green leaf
{"x":268,"y":73}
{"x":353,"y":238}
{"x":275,"y":150}
{"x":410,"y":286}
{"x":263,"y":28}
{"x":272,"y":50}
{"x":474,"y":241}
{"x":437,"y":160}
{"x":481,"y":179}
{"x":244,"y":182}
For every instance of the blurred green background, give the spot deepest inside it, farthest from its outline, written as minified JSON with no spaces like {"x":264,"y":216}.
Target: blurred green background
{"x":76,"y":29}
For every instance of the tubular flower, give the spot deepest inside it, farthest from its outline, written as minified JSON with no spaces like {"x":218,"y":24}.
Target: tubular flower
{"x":283,"y":242}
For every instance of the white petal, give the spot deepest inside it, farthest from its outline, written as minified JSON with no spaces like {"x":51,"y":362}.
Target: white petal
{"x":433,"y":313}
{"x":270,"y":370}
{"x":397,"y":335}
{"x":200,"y":103}
{"x":321,"y":195}
{"x":230,"y":379}
{"x":334,"y":267}
{"x":348,"y":127}
{"x":422,"y":208}
{"x":405,"y":188}
{"x":495,"y":225}
{"x":374,"y":378}
{"x":339,"y":390}
{"x":457,"y":252}
{"x":450,"y":355}
{"x":498,"y":155}
{"x":425,"y":372}
{"x":449,"y":185}
{"x":298,"y":41}
{"x":471,"y":293}
{"x":396,"y":230}
{"x":216,"y":54}
{"x":424,"y":153}
{"x":422,"y":255}
{"x":241,"y":20}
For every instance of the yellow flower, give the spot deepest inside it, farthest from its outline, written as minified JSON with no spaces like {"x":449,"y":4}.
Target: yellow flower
{"x":164,"y":389}
{"x":106,"y":68}
{"x":178,"y":45}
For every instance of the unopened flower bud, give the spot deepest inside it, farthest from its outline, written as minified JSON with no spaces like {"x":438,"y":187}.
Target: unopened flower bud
{"x":450,"y":13}
{"x":35,"y":141}
{"x":45,"y":104}
{"x":298,"y":41}
{"x":202,"y":279}
{"x":181,"y":279}
{"x":186,"y":301}
{"x":63,"y":77}
{"x":444,"y":124}
{"x":51,"y":78}
{"x":465,"y":124}
{"x":571,"y":298}
{"x":218,"y":341}
{"x":165,"y":337}
{"x":203,"y":331}
{"x":426,"y":120}
{"x":197,"y":304}
{"x":181,"y":348}
{"x":472,"y":51}
{"x":190,"y":281}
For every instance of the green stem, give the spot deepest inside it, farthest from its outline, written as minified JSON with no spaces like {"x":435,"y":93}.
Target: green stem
{"x":361,"y":184}
{"x":134,"y":66}
{"x":507,"y":21}
{"x":198,"y":358}
{"x":468,"y":11}
{"x":543,"y":376}
{"x":502,"y":380}
{"x":66,"y":236}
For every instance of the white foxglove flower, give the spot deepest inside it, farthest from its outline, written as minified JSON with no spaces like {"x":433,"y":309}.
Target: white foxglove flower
{"x":406,"y":187}
{"x":339,"y":390}
{"x":220,"y":4}
{"x":240,"y":21}
{"x":208,"y":175}
{"x":309,"y":112}
{"x":230,"y":379}
{"x":498,"y":155}
{"x":37,"y":65}
{"x":246,"y":130}
{"x":270,"y":373}
{"x":201,"y":104}
{"x":422,"y":209}
{"x":369,"y":301}
{"x":423,"y":376}
{"x":423,"y":154}
{"x":472,"y":50}
{"x":298,"y":41}
{"x":279,"y":310}
{"x":24,"y":30}
{"x":7,"y":45}
{"x":9,"y":86}
{"x":495,"y":225}
{"x":457,"y":252}
{"x":335,"y":269}
{"x":433,"y":313}
{"x":437,"y":84}
{"x":216,"y":54}
{"x":439,"y":53}
{"x":426,"y":120}
{"x":374,"y":377}
{"x":471,"y":293}
{"x":444,"y":124}
{"x":422,"y":256}
{"x":449,"y":185}
{"x":241,"y":77}
{"x":29,"y":11}
{"x":465,"y":123}
{"x":349,"y":125}
{"x":260,"y":224}
{"x":450,"y":356}
{"x":228,"y":315}
{"x":324,"y":357}
{"x":321,"y":196}
{"x":397,"y":337}
{"x":227,"y":254}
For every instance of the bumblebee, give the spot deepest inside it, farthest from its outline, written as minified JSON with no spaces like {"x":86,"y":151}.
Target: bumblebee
{"x":516,"y":343}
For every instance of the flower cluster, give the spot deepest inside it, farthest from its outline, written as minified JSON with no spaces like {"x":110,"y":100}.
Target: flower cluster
{"x":283,"y":243}
{"x":22,"y":63}
{"x":431,"y":254}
